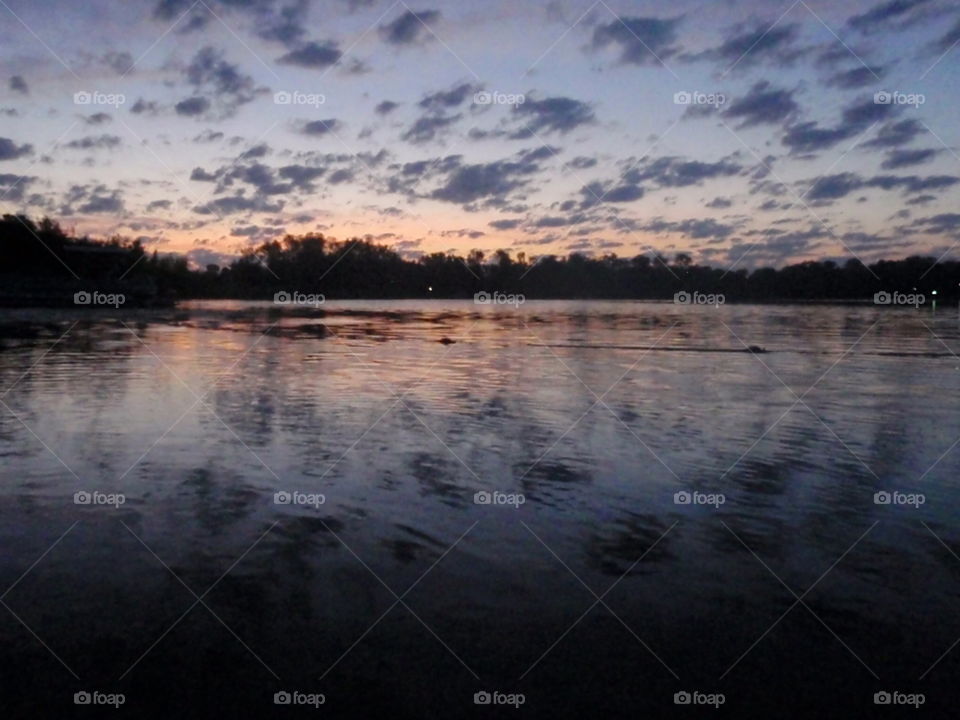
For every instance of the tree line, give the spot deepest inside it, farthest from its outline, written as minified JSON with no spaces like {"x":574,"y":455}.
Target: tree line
{"x":40,"y":262}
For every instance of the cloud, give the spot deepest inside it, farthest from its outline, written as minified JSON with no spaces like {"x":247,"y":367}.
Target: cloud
{"x":641,"y":40}
{"x":98,"y":199}
{"x":857,"y":77}
{"x":319,"y":128}
{"x":410,"y":28}
{"x":509,"y":224}
{"x":386,"y":107}
{"x":906,"y":158}
{"x":18,"y":85}
{"x":763,"y":105}
{"x":758,"y":44}
{"x":949,"y":40}
{"x":9,"y":150}
{"x":301,"y":176}
{"x":13,"y":187}
{"x":100,"y":142}
{"x":313,"y":55}
{"x":490,"y":182}
{"x":445,"y":99}
{"x":141,"y":107}
{"x":833,"y":187}
{"x":208,"y":72}
{"x":675,"y":172}
{"x":719,"y":203}
{"x":882,"y":15}
{"x":191,"y":107}
{"x":427,"y":127}
{"x":554,"y":114}
{"x":237,"y":204}
{"x":97,"y":118}
{"x":120,"y":62}
{"x":581,"y":162}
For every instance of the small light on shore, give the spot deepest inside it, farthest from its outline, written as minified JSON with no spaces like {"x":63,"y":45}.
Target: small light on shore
{"x":430,"y":288}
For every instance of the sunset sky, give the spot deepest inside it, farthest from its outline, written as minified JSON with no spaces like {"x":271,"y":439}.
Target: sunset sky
{"x":208,"y":127}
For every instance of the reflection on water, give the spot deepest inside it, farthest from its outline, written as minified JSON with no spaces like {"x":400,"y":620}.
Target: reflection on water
{"x":597,"y":413}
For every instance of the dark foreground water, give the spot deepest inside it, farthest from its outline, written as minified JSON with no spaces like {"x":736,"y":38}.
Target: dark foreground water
{"x":180,"y":578}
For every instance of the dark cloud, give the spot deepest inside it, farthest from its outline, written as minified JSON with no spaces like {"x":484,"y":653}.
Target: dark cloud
{"x":719,"y":203}
{"x":893,"y":134}
{"x":832,"y":187}
{"x":445,"y":99}
{"x":301,"y":176}
{"x":237,"y":204}
{"x":120,"y":62}
{"x":758,"y":44}
{"x":9,"y":150}
{"x":582,"y":163}
{"x":882,"y":15}
{"x":554,"y":114}
{"x":386,"y":107}
{"x":505,"y":224}
{"x":99,"y":142}
{"x":19,"y":85}
{"x":696,"y":228}
{"x":288,"y":26}
{"x":13,"y":187}
{"x":410,"y":28}
{"x":490,"y":182}
{"x":763,"y":105}
{"x":98,"y":200}
{"x":159,"y":205}
{"x":906,"y":158}
{"x":97,"y":118}
{"x":427,"y":127}
{"x":949,"y":40}
{"x":141,"y":106}
{"x":208,"y":72}
{"x":201,"y":175}
{"x":208,"y":136}
{"x":857,"y":77}
{"x":191,"y":107}
{"x":676,"y":172}
{"x":640,"y":40}
{"x":809,"y":137}
{"x":320,"y":127}
{"x":313,"y":55}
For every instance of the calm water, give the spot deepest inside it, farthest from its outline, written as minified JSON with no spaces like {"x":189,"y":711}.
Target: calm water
{"x":597,"y":414}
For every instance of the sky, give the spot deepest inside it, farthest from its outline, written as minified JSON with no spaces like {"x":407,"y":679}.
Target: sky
{"x":744,"y":134}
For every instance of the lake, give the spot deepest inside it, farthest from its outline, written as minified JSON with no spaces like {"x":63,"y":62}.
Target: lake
{"x":584,"y":506}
